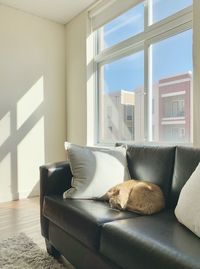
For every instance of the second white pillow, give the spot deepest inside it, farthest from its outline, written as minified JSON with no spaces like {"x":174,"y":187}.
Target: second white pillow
{"x":187,"y":210}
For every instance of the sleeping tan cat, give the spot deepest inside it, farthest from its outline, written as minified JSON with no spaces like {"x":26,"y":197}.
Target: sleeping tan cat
{"x":137,"y":196}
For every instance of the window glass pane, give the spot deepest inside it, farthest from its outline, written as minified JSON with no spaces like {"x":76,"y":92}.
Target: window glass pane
{"x":123,"y":27}
{"x":172,"y":88}
{"x":121,"y":115}
{"x":164,"y":8}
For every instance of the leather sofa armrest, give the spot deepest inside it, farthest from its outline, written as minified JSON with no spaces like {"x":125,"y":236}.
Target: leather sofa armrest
{"x":55,"y":178}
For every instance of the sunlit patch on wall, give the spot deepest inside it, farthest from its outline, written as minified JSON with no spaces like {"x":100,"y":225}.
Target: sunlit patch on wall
{"x":4,"y":128}
{"x":5,"y":178}
{"x":30,"y":102}
{"x":31,"y":154}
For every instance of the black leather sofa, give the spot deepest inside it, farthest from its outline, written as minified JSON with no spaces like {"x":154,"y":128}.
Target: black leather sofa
{"x":92,"y":235}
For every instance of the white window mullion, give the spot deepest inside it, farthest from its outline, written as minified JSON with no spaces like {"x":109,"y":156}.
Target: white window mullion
{"x":147,"y":75}
{"x":96,"y":102}
{"x":196,"y":81}
{"x":119,"y":54}
{"x":148,"y":90}
{"x":174,"y":31}
{"x":99,"y":85}
{"x":150,"y":12}
{"x":146,"y":15}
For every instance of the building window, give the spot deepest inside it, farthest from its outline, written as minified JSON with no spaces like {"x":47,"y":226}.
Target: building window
{"x":177,"y":134}
{"x":182,"y":133}
{"x":144,"y":73}
{"x":178,"y":108}
{"x":110,"y":128}
{"x":173,"y":108}
{"x":109,"y":112}
{"x":129,"y":112}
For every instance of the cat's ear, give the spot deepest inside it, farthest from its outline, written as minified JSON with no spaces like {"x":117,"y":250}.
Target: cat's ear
{"x":124,"y":192}
{"x":110,"y":193}
{"x":131,"y":193}
{"x":115,"y":192}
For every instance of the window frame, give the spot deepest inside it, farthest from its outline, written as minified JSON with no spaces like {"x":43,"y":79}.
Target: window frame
{"x":153,"y":33}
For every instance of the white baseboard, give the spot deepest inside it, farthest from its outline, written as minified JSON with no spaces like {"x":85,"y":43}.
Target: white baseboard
{"x":18,"y":195}
{"x":6,"y":197}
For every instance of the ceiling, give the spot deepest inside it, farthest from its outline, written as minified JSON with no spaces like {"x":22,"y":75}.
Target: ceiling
{"x":61,"y":11}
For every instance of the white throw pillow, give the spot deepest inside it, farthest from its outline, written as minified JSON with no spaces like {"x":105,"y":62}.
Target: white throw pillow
{"x":95,"y":170}
{"x":187,"y":210}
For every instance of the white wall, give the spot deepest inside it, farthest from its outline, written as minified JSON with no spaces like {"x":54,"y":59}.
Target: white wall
{"x":32,"y":100}
{"x":76,"y":81}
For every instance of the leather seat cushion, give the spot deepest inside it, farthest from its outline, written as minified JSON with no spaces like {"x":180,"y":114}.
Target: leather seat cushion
{"x":82,"y":219}
{"x":156,"y":241}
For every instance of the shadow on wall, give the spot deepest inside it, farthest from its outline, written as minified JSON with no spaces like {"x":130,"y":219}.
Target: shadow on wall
{"x":22,"y":148}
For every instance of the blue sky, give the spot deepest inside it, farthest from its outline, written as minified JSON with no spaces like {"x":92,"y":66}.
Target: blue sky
{"x":170,"y":57}
{"x":164,"y":8}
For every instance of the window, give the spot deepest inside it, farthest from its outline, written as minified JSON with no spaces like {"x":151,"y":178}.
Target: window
{"x":123,"y":27}
{"x":144,"y":74}
{"x":177,"y":134}
{"x":178,"y":108}
{"x":171,"y":84}
{"x":110,"y":128}
{"x":109,"y":112}
{"x":161,"y":8}
{"x":182,"y":133}
{"x":121,"y":87}
{"x":173,"y":108}
{"x":129,"y":112}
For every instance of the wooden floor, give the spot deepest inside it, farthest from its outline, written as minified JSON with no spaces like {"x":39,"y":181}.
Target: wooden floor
{"x":23,"y":216}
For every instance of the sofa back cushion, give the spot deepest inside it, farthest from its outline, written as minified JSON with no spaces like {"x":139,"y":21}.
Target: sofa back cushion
{"x":186,"y":161}
{"x":152,"y":163}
